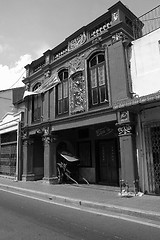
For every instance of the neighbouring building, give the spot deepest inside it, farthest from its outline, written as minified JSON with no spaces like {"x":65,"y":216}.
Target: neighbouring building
{"x":10,"y":132}
{"x":69,"y":99}
{"x":6,"y":102}
{"x":145,"y":104}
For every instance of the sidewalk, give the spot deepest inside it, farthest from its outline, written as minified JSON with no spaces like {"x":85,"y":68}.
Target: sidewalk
{"x":91,"y":196}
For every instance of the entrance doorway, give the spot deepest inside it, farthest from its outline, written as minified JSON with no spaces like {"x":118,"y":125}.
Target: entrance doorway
{"x":152,"y":154}
{"x":38,"y":158}
{"x":107,"y":162}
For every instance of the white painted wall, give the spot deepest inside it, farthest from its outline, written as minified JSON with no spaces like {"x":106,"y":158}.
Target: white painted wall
{"x":9,"y":122}
{"x":145,"y":64}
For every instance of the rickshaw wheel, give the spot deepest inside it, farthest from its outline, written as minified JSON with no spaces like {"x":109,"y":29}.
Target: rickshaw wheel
{"x":59,"y":175}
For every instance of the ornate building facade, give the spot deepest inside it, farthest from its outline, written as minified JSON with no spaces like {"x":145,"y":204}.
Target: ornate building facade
{"x":70,"y":94}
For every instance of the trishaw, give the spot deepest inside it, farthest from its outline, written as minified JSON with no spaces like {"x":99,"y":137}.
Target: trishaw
{"x":68,"y":168}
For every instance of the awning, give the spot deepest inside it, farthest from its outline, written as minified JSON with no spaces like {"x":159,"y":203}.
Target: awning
{"x":153,"y":97}
{"x":28,"y":93}
{"x":69,"y":157}
{"x":51,"y":82}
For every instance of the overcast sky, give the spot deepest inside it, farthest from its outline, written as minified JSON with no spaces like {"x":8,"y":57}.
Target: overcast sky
{"x":30,"y":27}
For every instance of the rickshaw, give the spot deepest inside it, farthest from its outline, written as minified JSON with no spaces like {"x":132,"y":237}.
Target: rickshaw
{"x":67,"y":168}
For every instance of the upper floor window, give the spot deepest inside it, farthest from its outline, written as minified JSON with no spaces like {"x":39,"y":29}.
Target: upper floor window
{"x":62,"y":93}
{"x":36,"y":105}
{"x":98,"y":91}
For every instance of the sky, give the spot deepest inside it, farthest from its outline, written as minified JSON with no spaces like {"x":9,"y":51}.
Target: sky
{"x":28,"y":28}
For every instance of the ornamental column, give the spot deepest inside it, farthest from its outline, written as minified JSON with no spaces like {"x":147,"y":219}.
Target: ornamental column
{"x":129,"y":171}
{"x":28,"y":174}
{"x":50,"y":172}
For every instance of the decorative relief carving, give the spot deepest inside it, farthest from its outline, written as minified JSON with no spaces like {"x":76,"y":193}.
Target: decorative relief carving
{"x":78,"y":93}
{"x":47,"y":73}
{"x":123,"y":116}
{"x":115,"y":16}
{"x":76,"y":64}
{"x":96,"y":40}
{"x":47,"y":139}
{"x":24,"y":134}
{"x":78,"y":96}
{"x":27,"y":140}
{"x":124,"y":130}
{"x":78,"y":41}
{"x":39,"y":131}
{"x":118,"y":37}
{"x":103,"y":131}
{"x":46,"y":131}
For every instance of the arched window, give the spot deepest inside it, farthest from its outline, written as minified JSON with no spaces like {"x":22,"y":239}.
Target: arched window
{"x":62,"y":93}
{"x":36,"y":105}
{"x":98,"y":91}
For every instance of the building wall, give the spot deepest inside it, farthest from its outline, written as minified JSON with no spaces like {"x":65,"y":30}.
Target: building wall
{"x":108,"y":34}
{"x":8,"y":144}
{"x":145,"y":71}
{"x":117,"y":78}
{"x":148,"y":148}
{"x":145,"y":67}
{"x":12,"y":107}
{"x":5,"y":102}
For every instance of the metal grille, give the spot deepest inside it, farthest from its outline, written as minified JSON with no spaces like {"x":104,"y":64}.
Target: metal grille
{"x":152,"y":151}
{"x":8,"y":157}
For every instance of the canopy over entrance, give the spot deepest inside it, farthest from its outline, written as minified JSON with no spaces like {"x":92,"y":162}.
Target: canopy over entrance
{"x":69,"y":157}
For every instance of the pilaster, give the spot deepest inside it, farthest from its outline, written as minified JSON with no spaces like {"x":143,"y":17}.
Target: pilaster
{"x":129,"y":173}
{"x":28,"y":174}
{"x":50,"y":172}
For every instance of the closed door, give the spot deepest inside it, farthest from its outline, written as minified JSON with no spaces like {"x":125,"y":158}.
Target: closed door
{"x":108,"y":162}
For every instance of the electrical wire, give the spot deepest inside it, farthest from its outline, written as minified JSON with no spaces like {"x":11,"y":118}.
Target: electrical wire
{"x":17,"y":80}
{"x":150,"y":19}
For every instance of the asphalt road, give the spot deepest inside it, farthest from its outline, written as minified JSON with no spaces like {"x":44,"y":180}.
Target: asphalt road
{"x":24,"y":218}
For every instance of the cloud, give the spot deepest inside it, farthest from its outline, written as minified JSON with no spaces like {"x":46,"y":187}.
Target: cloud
{"x":12,"y":76}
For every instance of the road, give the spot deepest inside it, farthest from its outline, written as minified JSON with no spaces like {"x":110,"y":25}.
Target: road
{"x":23,"y":218}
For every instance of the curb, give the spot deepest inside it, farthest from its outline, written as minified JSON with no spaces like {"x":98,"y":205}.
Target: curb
{"x":87,"y":204}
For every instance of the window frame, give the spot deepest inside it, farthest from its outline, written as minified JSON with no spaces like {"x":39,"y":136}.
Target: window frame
{"x":62,"y":93}
{"x":36,"y":104}
{"x":98,"y":93}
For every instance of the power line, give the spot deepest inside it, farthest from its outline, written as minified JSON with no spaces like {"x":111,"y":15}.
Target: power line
{"x":17,"y":80}
{"x":150,"y":19}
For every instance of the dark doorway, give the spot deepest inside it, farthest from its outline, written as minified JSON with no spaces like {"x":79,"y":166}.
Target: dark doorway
{"x":38,"y":158}
{"x":107,"y":162}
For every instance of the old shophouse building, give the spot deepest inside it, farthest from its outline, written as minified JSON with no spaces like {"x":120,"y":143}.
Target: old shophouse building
{"x":145,"y":103}
{"x":12,"y":108}
{"x":70,"y":94}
